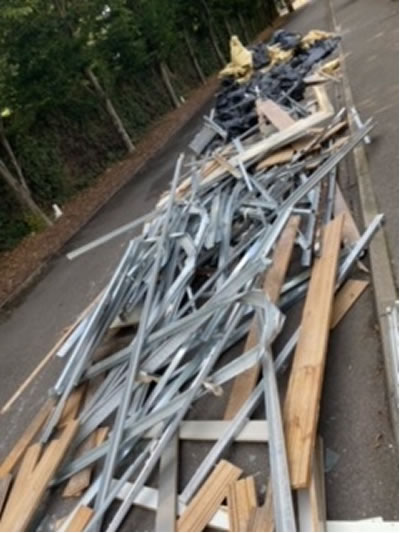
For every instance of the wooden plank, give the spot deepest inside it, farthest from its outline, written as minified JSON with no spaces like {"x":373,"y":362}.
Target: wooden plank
{"x":72,"y":405}
{"x":285,"y":154}
{"x":168,"y":487}
{"x":334,"y":322}
{"x":277,"y":116}
{"x":22,"y":444}
{"x":345,"y":298}
{"x":80,"y":519}
{"x":101,"y":435}
{"x":298,"y":130}
{"x":148,"y":499}
{"x":5,"y":483}
{"x":226,"y":165}
{"x":262,"y":518}
{"x":331,"y":132}
{"x":314,"y":78}
{"x":81,"y":480}
{"x":273,"y":281}
{"x":277,"y":158}
{"x":254,"y":152}
{"x":18,"y":514}
{"x":321,"y":95}
{"x":301,"y":407}
{"x":242,"y":499}
{"x":209,"y":497}
{"x":350,"y":230}
{"x":24,"y":474}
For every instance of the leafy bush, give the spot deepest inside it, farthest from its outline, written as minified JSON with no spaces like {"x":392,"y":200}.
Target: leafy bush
{"x":56,"y":120}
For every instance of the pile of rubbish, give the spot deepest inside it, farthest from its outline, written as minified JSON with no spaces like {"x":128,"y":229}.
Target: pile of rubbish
{"x":250,"y":226}
{"x":275,"y":70}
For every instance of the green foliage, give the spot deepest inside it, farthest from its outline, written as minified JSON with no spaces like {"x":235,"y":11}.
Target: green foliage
{"x":13,"y":226}
{"x":56,"y":123}
{"x":34,"y":223}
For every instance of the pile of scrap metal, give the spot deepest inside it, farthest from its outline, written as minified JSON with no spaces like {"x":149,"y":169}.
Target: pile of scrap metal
{"x":210,"y":268}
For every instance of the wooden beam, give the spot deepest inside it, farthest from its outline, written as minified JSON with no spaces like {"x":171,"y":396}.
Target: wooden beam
{"x":5,"y":483}
{"x":81,"y":480}
{"x":148,"y":499}
{"x":19,"y":512}
{"x":242,"y":499}
{"x":298,"y":130}
{"x":301,"y":407}
{"x":277,"y":158}
{"x":28,"y":463}
{"x":277,"y":116}
{"x":333,"y":130}
{"x":209,"y":497}
{"x":224,"y":163}
{"x":72,"y":405}
{"x":350,"y":230}
{"x":345,"y":298}
{"x":254,"y":152}
{"x":321,"y":95}
{"x":80,"y":519}
{"x":262,"y":518}
{"x":19,"y":449}
{"x":244,"y":383}
{"x":338,"y":312}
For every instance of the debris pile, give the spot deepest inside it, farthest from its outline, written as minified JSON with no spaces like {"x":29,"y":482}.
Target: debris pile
{"x":210,"y":268}
{"x":279,"y":71}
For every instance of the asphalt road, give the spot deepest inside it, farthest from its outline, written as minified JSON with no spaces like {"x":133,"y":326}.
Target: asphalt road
{"x":355,"y":423}
{"x":370,"y":33}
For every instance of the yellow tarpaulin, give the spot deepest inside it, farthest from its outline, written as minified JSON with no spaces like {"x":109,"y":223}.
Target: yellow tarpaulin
{"x":241,"y":64}
{"x":277,"y":55}
{"x":314,"y":36}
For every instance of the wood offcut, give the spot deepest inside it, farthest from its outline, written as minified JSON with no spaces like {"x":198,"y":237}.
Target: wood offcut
{"x":301,"y":407}
{"x":209,"y":497}
{"x":242,"y":499}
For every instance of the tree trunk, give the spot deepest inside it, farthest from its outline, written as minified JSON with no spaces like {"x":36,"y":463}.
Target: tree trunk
{"x":216,"y":47}
{"x":253,"y":28}
{"x":12,"y":156}
{"x":213,"y":37}
{"x":229,"y":28}
{"x":289,"y":5}
{"x":228,"y":33}
{"x":118,"y":124}
{"x":168,"y":84}
{"x":23,"y":195}
{"x":60,"y":6}
{"x":272,"y":12}
{"x":243,"y":27}
{"x":193,"y":57}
